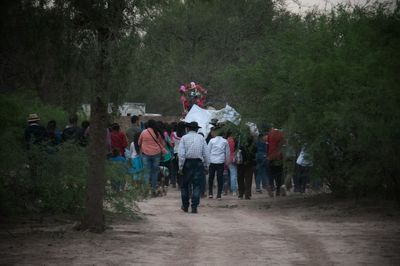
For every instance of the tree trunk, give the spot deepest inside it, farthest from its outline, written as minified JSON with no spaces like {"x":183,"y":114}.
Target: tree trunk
{"x":94,"y":218}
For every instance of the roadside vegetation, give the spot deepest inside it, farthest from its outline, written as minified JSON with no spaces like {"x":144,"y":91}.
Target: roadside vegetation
{"x":329,"y":80}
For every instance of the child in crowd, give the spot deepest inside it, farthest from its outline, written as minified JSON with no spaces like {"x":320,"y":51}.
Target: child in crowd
{"x":118,"y":183}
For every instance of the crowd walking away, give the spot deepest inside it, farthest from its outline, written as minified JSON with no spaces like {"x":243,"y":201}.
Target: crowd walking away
{"x":161,"y":156}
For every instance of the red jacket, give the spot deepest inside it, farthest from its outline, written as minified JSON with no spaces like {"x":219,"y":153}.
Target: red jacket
{"x":275,"y":143}
{"x":119,"y":141}
{"x":231,"y":143}
{"x":185,"y":102}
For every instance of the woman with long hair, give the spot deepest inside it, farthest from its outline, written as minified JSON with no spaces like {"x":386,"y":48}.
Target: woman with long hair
{"x":151,"y":145}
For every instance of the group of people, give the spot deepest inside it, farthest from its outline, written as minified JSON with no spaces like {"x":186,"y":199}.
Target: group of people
{"x":186,"y":158}
{"x":36,"y":133}
{"x":220,"y":155}
{"x":234,"y":162}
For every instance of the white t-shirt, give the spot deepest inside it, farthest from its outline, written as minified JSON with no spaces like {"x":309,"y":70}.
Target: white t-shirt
{"x":132,"y":150}
{"x":304,"y":159}
{"x":219,"y":150}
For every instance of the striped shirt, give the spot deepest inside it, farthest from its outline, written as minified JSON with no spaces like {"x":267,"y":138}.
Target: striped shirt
{"x":193,"y":146}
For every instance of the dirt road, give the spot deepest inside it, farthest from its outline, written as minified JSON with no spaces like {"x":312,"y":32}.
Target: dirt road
{"x":285,"y":231}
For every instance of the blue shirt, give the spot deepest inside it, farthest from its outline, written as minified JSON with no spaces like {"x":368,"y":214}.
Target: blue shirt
{"x":261,"y":149}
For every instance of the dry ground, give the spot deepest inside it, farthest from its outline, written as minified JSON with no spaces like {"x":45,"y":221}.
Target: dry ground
{"x":293,"y":230}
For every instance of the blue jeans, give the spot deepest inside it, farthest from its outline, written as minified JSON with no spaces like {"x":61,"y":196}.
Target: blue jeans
{"x":193,"y":174}
{"x":233,"y":173}
{"x":203,"y":184}
{"x":151,"y":164}
{"x":261,"y":173}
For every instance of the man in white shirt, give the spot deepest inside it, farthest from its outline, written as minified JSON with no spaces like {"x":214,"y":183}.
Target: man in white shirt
{"x":218,"y":148}
{"x":304,"y":164}
{"x":193,"y":161}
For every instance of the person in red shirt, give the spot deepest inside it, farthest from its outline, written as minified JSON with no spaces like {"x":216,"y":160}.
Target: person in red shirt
{"x":183,"y":99}
{"x":118,"y":139}
{"x":200,"y":101}
{"x":275,"y":158}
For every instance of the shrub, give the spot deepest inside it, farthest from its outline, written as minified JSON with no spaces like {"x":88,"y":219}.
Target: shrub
{"x":43,"y":180}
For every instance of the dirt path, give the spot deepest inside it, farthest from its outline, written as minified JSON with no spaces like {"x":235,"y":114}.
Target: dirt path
{"x":262,"y":231}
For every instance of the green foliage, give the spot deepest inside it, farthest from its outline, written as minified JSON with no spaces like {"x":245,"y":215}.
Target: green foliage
{"x":332,"y":79}
{"x":241,"y":134}
{"x":46,"y":178}
{"x":123,"y":202}
{"x":329,"y":79}
{"x":37,"y":179}
{"x":194,"y":41}
{"x":14,"y":111}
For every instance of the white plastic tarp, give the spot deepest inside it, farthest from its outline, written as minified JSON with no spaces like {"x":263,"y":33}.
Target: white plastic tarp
{"x":226,"y":114}
{"x":203,"y":117}
{"x":253,"y":128}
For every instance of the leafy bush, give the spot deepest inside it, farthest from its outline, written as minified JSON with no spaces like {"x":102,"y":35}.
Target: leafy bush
{"x":123,"y":202}
{"x":42,"y":179}
{"x":332,"y":79}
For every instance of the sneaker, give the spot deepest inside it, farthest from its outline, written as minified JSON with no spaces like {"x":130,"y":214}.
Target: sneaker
{"x":219,"y":197}
{"x":240,"y":197}
{"x":259,"y":191}
{"x":210,"y":196}
{"x":234,"y":194}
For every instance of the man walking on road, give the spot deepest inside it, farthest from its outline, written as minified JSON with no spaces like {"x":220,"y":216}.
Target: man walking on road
{"x":219,"y":150}
{"x":193,"y":160}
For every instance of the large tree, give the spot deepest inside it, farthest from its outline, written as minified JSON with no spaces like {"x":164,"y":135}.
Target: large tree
{"x":69,"y":52}
{"x":107,"y":23}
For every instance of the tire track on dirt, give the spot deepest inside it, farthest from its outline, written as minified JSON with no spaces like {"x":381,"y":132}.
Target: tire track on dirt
{"x":230,"y":236}
{"x":234,"y":232}
{"x":284,"y":243}
{"x":306,"y":244}
{"x":165,"y":216}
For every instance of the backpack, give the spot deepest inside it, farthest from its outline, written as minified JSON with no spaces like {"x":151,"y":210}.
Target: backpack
{"x":238,"y":156}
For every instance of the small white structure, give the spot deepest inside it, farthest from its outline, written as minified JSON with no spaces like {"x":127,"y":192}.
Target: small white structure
{"x":152,"y":115}
{"x":129,"y":109}
{"x":126,"y":109}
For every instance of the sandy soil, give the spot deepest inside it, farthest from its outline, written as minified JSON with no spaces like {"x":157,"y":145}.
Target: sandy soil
{"x":293,"y":230}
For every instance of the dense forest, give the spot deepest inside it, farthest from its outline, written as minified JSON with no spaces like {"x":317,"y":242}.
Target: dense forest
{"x":330,"y":80}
